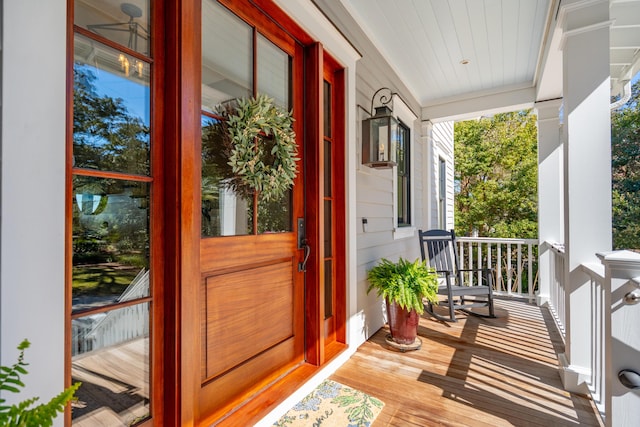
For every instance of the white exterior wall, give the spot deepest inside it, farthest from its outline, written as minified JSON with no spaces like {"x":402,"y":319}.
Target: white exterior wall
{"x":375,"y":203}
{"x":33,"y":192}
{"x":439,"y":140}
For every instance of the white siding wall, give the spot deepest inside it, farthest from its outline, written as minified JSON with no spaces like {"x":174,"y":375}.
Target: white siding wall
{"x":33,"y":191}
{"x":439,"y":139}
{"x":375,"y":189}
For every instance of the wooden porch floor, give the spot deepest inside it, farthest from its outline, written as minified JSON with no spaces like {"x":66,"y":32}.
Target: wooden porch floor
{"x":477,"y":372}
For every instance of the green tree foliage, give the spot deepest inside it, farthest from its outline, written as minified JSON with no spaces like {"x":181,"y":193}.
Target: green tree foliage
{"x":496,"y":174}
{"x":625,"y":165}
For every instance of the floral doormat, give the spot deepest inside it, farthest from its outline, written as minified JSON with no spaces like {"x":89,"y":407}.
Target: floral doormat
{"x":333,"y":404}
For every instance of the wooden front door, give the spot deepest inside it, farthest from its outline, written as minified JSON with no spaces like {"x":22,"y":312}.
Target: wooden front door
{"x":252,"y":288}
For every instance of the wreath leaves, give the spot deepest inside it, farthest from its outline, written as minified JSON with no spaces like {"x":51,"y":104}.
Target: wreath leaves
{"x":264,"y":152}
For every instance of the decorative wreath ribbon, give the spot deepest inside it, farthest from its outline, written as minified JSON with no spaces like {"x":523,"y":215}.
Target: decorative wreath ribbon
{"x":264,"y":153}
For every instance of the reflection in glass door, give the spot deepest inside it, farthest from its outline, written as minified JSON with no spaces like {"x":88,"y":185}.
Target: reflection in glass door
{"x":112,"y":181}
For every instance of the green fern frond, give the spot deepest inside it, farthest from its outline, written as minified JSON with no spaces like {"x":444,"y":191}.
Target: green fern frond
{"x":19,"y":415}
{"x":404,"y":282}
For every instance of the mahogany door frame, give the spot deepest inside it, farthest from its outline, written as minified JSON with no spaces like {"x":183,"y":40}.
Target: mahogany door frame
{"x":182,"y":196}
{"x":163,"y":397}
{"x":317,"y":63}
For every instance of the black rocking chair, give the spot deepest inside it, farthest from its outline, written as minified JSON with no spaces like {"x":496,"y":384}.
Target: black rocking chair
{"x":441,"y":254}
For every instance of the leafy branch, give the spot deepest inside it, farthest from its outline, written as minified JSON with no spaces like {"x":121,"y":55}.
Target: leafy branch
{"x":23,"y":414}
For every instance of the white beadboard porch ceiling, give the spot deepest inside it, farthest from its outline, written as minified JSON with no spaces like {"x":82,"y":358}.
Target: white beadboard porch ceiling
{"x":502,"y":41}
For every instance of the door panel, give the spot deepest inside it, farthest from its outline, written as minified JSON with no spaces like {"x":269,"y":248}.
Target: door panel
{"x":251,"y":292}
{"x":259,"y":318}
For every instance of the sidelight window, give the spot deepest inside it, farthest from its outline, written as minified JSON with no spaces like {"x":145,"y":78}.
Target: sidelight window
{"x":112,"y":182}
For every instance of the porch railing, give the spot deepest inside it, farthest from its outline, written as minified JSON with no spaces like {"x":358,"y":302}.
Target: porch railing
{"x":557,"y":289}
{"x":515,"y":262}
{"x":600,"y":316}
{"x":604,"y":322}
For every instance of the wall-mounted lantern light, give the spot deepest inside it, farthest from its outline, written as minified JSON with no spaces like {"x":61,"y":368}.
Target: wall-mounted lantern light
{"x":380,"y":133}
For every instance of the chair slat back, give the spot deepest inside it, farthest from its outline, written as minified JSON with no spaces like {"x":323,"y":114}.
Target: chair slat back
{"x":440,"y":250}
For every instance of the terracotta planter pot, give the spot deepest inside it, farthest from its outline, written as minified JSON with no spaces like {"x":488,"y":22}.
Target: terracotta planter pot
{"x":403,"y":323}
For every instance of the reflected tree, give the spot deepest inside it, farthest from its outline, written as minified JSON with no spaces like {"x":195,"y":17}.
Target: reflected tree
{"x":105,"y":135}
{"x":110,"y":216}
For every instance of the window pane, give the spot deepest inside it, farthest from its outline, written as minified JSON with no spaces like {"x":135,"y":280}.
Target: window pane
{"x":273,"y":72}
{"x":328,"y":289}
{"x":327,"y":168}
{"x":275,"y":216}
{"x":110,"y":356}
{"x":227,"y":52}
{"x":111,"y":104}
{"x":328,"y":231}
{"x":327,"y":109}
{"x":110,"y":241}
{"x":124,"y":23}
{"x":226,"y":211}
{"x":403,"y":178}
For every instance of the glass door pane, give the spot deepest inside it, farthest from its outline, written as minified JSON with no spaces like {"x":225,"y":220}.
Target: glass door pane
{"x":111,"y":285}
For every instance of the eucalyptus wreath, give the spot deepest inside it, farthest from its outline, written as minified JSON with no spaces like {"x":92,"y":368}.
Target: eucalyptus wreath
{"x":263,"y":154}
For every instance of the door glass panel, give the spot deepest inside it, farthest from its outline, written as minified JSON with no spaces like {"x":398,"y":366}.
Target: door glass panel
{"x":110,"y":241}
{"x":328,"y":232}
{"x":275,"y":216}
{"x":124,"y":23}
{"x":327,"y":168}
{"x":225,"y":211}
{"x":227,"y":74}
{"x":110,"y":356}
{"x":227,"y":56}
{"x":273,"y":72}
{"x":328,"y":289}
{"x":327,"y":109}
{"x":111,"y":109}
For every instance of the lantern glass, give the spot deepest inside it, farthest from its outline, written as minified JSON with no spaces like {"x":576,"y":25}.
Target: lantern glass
{"x":380,"y":135}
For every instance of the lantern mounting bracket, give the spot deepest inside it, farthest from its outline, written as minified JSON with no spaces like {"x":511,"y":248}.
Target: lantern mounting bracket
{"x":384,"y":99}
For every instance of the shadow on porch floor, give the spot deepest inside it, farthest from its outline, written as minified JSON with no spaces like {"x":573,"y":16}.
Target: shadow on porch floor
{"x":477,"y":372}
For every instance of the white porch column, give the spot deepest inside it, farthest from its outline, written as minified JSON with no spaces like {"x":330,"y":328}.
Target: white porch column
{"x":622,"y":272}
{"x":429,"y":220}
{"x":587,"y":169}
{"x":550,"y":194}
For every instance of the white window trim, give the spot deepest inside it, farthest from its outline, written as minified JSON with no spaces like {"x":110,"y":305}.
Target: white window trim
{"x":406,"y":116}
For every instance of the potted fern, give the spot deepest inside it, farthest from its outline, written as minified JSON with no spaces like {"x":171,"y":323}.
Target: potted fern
{"x":403,"y":285}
